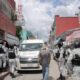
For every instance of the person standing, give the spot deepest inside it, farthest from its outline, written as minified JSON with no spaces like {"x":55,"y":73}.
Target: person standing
{"x":45,"y":61}
{"x":5,"y":49}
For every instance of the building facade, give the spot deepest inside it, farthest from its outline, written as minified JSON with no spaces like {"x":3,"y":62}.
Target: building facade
{"x":63,"y":27}
{"x":64,"y":24}
{"x":7,"y":14}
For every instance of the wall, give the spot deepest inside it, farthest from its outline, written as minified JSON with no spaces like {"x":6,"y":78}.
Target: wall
{"x":12,"y":3}
{"x":6,"y":24}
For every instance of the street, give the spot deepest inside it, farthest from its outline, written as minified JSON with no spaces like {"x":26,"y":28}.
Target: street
{"x":28,"y":28}
{"x":36,"y":75}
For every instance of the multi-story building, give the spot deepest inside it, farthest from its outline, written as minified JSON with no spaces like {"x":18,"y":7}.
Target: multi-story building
{"x":64,"y":26}
{"x":7,"y":17}
{"x":65,"y":23}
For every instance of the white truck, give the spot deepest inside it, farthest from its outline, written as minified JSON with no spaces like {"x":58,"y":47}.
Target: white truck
{"x":28,"y":55}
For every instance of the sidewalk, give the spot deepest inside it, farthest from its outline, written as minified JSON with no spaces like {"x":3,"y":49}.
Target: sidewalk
{"x":54,"y":71}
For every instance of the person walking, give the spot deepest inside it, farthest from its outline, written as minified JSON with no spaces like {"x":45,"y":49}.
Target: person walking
{"x":45,"y":61}
{"x":69,"y":59}
{"x":12,"y":62}
{"x":61,"y":61}
{"x":5,"y":50}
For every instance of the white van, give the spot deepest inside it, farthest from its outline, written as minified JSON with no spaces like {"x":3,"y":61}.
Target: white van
{"x":28,"y":55}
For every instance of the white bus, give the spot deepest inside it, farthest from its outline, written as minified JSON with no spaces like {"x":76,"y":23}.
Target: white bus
{"x":28,"y":55}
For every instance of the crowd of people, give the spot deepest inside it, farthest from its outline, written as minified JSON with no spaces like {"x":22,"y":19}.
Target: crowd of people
{"x":66,"y":56}
{"x":10,"y":53}
{"x":63,"y":58}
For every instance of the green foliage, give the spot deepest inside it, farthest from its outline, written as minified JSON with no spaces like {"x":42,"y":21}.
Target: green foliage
{"x":18,"y":32}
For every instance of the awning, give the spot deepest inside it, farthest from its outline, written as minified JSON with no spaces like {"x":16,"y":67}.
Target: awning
{"x":11,"y":39}
{"x":73,"y":36}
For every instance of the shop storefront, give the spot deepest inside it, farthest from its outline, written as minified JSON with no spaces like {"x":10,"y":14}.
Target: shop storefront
{"x":11,"y":39}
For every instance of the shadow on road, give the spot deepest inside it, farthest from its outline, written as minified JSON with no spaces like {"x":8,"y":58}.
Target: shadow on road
{"x":30,"y":72}
{"x":4,"y":76}
{"x":50,"y":78}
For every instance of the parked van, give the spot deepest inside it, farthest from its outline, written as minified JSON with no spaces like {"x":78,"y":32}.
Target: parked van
{"x":28,"y":55}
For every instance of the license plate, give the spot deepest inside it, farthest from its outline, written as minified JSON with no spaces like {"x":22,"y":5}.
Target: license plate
{"x":26,"y":65}
{"x":29,"y":65}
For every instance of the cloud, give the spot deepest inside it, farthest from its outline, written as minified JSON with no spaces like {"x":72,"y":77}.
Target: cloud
{"x":38,"y":17}
{"x":39,"y":14}
{"x":69,"y":8}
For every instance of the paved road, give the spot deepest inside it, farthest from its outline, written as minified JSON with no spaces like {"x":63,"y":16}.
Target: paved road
{"x":37,"y":75}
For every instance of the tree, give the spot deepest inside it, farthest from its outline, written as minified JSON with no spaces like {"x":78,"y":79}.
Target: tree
{"x":18,"y":32}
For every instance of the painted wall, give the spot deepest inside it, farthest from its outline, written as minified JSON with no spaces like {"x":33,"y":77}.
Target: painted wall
{"x":6,"y":24}
{"x":12,"y":3}
{"x":65,"y":23}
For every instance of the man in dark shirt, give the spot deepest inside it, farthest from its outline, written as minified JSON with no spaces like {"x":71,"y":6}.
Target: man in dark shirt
{"x":45,"y":61}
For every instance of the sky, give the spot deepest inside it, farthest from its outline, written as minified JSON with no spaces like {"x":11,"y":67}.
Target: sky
{"x":39,"y":14}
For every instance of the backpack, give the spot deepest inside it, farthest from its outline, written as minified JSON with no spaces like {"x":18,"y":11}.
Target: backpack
{"x":76,"y":60}
{"x":1,"y":50}
{"x":11,"y":55}
{"x":57,"y":54}
{"x":64,"y":54}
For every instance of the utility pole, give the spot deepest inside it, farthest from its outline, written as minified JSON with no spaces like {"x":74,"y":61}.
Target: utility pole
{"x":37,"y":35}
{"x":79,"y":15}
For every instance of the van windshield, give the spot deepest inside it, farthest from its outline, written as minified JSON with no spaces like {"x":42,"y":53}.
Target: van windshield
{"x":30,"y":47}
